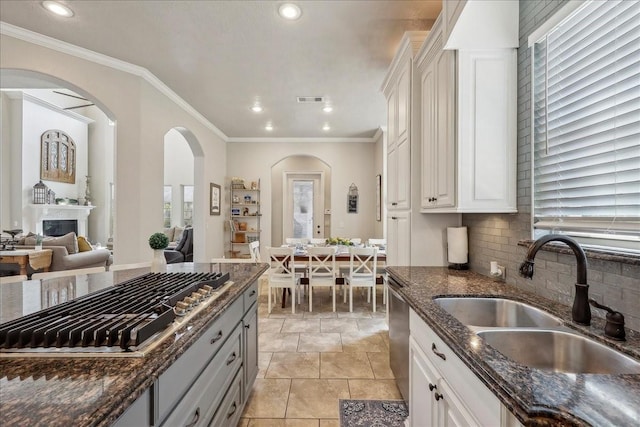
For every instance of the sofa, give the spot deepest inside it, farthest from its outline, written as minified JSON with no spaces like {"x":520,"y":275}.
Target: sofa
{"x":66,"y":254}
{"x":183,"y":252}
{"x":174,"y":234}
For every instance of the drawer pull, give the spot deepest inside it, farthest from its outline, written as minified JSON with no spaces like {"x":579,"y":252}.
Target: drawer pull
{"x":438,"y":396}
{"x":216,"y":338}
{"x":195,"y":418}
{"x":432,"y":387}
{"x":437,"y":353}
{"x":234,"y":407}
{"x":247,"y":326}
{"x":252,"y":293}
{"x":232,"y":358}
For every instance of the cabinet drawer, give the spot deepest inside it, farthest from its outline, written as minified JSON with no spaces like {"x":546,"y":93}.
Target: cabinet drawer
{"x":178,"y":378}
{"x":199,"y":403}
{"x":231,"y":407}
{"x":250,"y":295}
{"x":482,"y":403}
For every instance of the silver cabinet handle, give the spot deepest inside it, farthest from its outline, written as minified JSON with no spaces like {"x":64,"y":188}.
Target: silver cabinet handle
{"x":437,"y":353}
{"x":216,"y":338}
{"x":195,"y":418}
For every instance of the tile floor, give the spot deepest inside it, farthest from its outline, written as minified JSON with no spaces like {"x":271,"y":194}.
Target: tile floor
{"x":309,"y":360}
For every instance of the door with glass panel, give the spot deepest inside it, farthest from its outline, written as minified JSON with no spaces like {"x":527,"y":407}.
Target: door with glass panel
{"x":303,"y":205}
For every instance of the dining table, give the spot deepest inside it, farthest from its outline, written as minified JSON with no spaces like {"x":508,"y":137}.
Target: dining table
{"x":342,"y":256}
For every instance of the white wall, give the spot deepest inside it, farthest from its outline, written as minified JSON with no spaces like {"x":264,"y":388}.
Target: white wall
{"x":143,"y":115}
{"x":350,"y":163}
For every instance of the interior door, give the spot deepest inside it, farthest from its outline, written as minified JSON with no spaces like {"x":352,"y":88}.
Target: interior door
{"x":303,"y":210}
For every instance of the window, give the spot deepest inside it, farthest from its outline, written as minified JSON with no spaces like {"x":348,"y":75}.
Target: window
{"x":586,"y":126}
{"x":167,"y":206}
{"x":187,"y":205}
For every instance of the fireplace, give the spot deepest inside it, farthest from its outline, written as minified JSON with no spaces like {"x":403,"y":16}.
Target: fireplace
{"x":59,"y":227}
{"x":63,"y":215}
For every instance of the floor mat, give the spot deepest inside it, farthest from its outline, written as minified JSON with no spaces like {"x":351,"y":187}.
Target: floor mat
{"x":372,"y":413}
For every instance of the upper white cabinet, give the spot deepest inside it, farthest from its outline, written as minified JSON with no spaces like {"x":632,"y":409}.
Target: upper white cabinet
{"x":468,"y":126}
{"x":398,"y":89}
{"x":480,"y":24}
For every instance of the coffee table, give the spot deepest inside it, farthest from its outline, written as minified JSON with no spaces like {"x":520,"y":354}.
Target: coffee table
{"x":37,"y":259}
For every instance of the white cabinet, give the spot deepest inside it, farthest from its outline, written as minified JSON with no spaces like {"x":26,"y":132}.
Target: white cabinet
{"x":443,"y":390}
{"x":468,"y":128}
{"x":399,"y":238}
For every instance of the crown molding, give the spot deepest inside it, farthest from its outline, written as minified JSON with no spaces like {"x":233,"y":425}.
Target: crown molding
{"x":107,"y":61}
{"x":303,"y":140}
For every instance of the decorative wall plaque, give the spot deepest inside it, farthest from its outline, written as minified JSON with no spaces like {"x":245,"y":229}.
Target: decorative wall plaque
{"x":57,"y":157}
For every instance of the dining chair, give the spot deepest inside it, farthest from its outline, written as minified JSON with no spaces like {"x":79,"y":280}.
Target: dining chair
{"x":299,"y":267}
{"x":363,"y":264}
{"x":322,"y":271}
{"x":13,"y":279}
{"x":282,"y":274}
{"x":356,"y":241}
{"x":64,"y":273}
{"x":381,"y":244}
{"x":254,"y":251}
{"x":318,"y":242}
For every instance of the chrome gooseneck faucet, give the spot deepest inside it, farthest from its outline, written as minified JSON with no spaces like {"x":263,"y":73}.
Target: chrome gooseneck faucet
{"x":580,"y":311}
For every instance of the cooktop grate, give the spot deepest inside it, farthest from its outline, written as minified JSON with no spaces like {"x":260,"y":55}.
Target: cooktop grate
{"x":125,"y":315}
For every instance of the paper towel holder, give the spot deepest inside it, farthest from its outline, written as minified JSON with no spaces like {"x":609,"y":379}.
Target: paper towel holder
{"x":457,"y":248}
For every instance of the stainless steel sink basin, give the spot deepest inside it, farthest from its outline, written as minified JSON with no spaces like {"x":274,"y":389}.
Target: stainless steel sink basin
{"x":496,"y":312}
{"x":559,"y":351}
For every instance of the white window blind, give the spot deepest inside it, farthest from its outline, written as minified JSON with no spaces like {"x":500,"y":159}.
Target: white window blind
{"x":586,"y":126}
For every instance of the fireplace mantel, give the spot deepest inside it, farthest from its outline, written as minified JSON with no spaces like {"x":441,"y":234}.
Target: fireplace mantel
{"x":47,"y":212}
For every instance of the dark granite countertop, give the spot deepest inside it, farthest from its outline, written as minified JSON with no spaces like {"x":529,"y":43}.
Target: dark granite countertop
{"x":536,"y":397}
{"x":96,"y":391}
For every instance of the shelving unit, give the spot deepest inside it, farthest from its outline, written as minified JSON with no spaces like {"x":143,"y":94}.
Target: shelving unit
{"x":245,"y":215}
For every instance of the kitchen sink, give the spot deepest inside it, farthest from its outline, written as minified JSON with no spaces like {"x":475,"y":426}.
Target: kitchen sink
{"x":496,"y":312}
{"x":558,"y":351}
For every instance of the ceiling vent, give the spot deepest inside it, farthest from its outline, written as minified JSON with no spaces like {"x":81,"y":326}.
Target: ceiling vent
{"x":310,"y":99}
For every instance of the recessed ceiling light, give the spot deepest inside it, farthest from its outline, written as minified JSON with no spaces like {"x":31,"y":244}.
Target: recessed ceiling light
{"x":57,"y":8}
{"x":327,"y":108}
{"x":257,"y":108}
{"x":269,"y":127}
{"x":289,"y":11}
{"x":326,"y":127}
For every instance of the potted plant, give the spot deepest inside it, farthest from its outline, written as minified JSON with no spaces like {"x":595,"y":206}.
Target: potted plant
{"x":158,"y":242}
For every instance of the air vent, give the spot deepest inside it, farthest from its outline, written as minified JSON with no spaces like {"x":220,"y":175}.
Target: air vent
{"x":310,"y":99}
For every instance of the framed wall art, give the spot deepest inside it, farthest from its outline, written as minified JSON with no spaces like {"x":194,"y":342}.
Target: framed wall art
{"x":214,"y":199}
{"x":57,"y":157}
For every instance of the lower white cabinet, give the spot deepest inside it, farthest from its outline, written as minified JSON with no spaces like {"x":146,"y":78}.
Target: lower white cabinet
{"x":443,"y":391}
{"x":399,"y":238}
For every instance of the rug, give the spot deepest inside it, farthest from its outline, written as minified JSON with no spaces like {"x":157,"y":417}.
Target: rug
{"x":372,"y":413}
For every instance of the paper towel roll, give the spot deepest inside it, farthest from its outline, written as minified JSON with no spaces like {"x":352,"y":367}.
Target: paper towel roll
{"x":458,"y":246}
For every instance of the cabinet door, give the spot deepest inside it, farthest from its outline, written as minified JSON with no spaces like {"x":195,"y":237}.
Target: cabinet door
{"x":428,"y":120}
{"x":451,"y":411}
{"x":392,"y":178}
{"x":404,"y":101}
{"x":444,"y":145}
{"x":422,"y":385}
{"x":399,"y":238}
{"x":403,"y":175}
{"x":392,"y":120}
{"x":250,"y":350}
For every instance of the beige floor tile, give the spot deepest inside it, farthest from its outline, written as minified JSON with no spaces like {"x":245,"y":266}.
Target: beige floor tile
{"x":273,"y":422}
{"x":374,"y":389}
{"x":385,"y":337}
{"x":320,"y":342}
{"x":345,"y":365}
{"x":271,"y":342}
{"x":244,"y":422}
{"x":316,"y":398}
{"x":294,"y":365}
{"x":338,"y":325}
{"x":372,"y":325}
{"x":263,"y":362}
{"x":354,"y":342}
{"x":270,"y":325}
{"x":321,"y":313}
{"x":301,"y":325}
{"x":268,"y":399}
{"x":355,"y":315}
{"x":380,"y":365}
{"x":330,"y":423}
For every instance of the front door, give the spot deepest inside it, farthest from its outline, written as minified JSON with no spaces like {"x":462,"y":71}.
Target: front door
{"x":303,"y":210}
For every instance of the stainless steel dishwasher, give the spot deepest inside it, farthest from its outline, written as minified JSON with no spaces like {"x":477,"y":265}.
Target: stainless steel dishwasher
{"x":399,"y":338}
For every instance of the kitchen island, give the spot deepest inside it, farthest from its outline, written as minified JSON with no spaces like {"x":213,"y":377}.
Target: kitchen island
{"x":535,"y":397}
{"x":98,"y":390}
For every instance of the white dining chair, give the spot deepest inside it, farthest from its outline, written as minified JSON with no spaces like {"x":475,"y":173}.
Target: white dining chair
{"x":322,"y":271}
{"x":282,"y":274}
{"x":299,"y":267}
{"x":64,"y":273}
{"x":356,"y":240}
{"x":254,"y":251}
{"x":13,"y":279}
{"x":318,"y":241}
{"x":381,"y":244}
{"x":363,"y":264}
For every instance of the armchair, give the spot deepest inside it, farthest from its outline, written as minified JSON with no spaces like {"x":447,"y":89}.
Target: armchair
{"x":183,"y":251}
